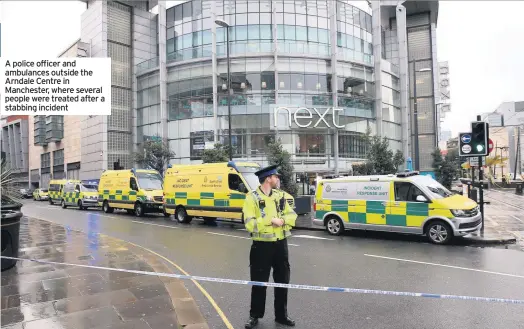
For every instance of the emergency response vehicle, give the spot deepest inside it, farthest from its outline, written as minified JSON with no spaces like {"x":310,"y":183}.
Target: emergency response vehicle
{"x":403,"y":203}
{"x":210,"y":191}
{"x":55,"y":190}
{"x":79,"y":194}
{"x":40,"y":194}
{"x":137,"y":191}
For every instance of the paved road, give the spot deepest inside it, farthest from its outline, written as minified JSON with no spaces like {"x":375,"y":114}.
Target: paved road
{"x":319,"y":259}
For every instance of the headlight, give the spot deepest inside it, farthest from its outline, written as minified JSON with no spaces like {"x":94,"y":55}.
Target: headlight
{"x":149,"y":198}
{"x":459,"y":213}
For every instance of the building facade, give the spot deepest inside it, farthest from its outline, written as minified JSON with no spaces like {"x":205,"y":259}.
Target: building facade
{"x":290,"y":59}
{"x":512,"y":117}
{"x":55,"y":140}
{"x":15,"y":147}
{"x":317,"y":74}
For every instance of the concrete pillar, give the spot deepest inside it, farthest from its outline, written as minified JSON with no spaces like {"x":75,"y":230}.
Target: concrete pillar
{"x":334,"y":81}
{"x":162,"y":68}
{"x":377,"y":51}
{"x":404,"y":79}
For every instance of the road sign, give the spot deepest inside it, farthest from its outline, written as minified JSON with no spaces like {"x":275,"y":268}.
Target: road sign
{"x":490,"y":146}
{"x":474,"y":161}
{"x":466,"y":138}
{"x":466,"y":149}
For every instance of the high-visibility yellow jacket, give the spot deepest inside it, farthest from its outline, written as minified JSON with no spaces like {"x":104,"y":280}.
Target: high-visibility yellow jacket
{"x":258,"y":211}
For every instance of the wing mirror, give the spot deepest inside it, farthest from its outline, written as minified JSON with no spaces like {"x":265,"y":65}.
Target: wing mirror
{"x":421,"y":198}
{"x":242,"y":188}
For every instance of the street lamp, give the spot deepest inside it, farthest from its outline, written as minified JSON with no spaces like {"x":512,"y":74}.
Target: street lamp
{"x":222,"y":23}
{"x":415,"y":116}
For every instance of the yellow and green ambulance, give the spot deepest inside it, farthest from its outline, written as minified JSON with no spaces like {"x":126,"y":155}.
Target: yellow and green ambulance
{"x":403,"y":203}
{"x":55,"y":189}
{"x":79,"y":194}
{"x":211,"y":190}
{"x":40,"y":194}
{"x":138,"y":191}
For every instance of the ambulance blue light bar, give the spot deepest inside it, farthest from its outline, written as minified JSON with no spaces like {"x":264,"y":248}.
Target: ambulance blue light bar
{"x":232,"y":165}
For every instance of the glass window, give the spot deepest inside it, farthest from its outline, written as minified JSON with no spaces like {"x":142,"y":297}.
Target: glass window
{"x":234,"y":182}
{"x":170,"y":46}
{"x":301,"y":33}
{"x":197,"y":9}
{"x":206,"y":37}
{"x":283,"y":81}
{"x":253,"y":81}
{"x":350,"y":41}
{"x":178,"y":15}
{"x":322,"y":9}
{"x":290,"y":32}
{"x":311,"y":144}
{"x":279,"y":18}
{"x":253,"y":32}
{"x":312,"y":21}
{"x":341,"y":40}
{"x":280,"y":32}
{"x":301,"y":20}
{"x":289,"y":6}
{"x":241,"y":19}
{"x":323,"y":36}
{"x":268,"y":81}
{"x":265,"y":6}
{"x":187,"y":11}
{"x":297,"y":81}
{"x":170,"y":33}
{"x":206,"y":8}
{"x":197,"y":39}
{"x":253,"y":6}
{"x":323,"y":23}
{"x":253,"y":19}
{"x":187,"y":28}
{"x":148,"y":181}
{"x":178,"y":30}
{"x":358,"y":44}
{"x":312,"y":34}
{"x":221,"y":34}
{"x":241,"y":32}
{"x":241,"y":6}
{"x":311,"y":82}
{"x":170,"y":16}
{"x":265,"y":32}
{"x":300,"y":7}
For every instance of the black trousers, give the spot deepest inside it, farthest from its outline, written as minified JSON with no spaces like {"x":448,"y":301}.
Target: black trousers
{"x":263,"y":257}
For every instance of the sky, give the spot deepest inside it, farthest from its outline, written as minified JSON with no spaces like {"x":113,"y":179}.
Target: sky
{"x":481,"y":40}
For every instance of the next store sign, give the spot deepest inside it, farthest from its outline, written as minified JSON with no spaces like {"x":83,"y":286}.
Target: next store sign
{"x":284,"y":117}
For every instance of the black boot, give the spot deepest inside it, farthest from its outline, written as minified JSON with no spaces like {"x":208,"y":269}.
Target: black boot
{"x":285,"y":321}
{"x":251,"y":323}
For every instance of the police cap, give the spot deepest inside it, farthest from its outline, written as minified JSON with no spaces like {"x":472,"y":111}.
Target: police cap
{"x":267,"y":171}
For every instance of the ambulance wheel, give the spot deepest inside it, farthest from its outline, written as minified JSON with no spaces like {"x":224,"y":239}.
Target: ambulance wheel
{"x":334,"y":225}
{"x":80,"y":206}
{"x":107,"y":209}
{"x":439,"y":232}
{"x":139,"y":209}
{"x":182,"y":216}
{"x":63,"y":204}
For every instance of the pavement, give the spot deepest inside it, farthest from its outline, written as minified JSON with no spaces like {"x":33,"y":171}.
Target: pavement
{"x":36,"y":295}
{"x":354,"y":260}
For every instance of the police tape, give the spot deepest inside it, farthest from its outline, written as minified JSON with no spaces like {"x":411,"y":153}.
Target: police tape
{"x":282,"y":285}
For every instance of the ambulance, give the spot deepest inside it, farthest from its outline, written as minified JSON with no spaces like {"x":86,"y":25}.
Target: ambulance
{"x":210,"y":191}
{"x":403,"y":203}
{"x":55,"y":190}
{"x":137,"y":191}
{"x":79,"y":194}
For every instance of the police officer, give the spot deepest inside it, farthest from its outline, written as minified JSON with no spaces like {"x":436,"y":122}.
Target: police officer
{"x":269,"y":218}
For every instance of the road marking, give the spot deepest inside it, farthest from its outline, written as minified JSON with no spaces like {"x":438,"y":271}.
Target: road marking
{"x":520,"y":220}
{"x":448,"y":266}
{"x":134,"y":221}
{"x":241,"y":229}
{"x":312,"y":237}
{"x":243,"y":237}
{"x":202,"y":290}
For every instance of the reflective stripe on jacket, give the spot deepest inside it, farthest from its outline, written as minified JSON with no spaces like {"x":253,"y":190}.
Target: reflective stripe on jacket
{"x":258,"y":219}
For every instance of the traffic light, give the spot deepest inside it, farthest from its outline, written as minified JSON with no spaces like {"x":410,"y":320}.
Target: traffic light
{"x":479,"y":138}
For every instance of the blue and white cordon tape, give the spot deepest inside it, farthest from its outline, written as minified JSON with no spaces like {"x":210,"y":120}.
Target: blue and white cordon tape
{"x":283,"y":285}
